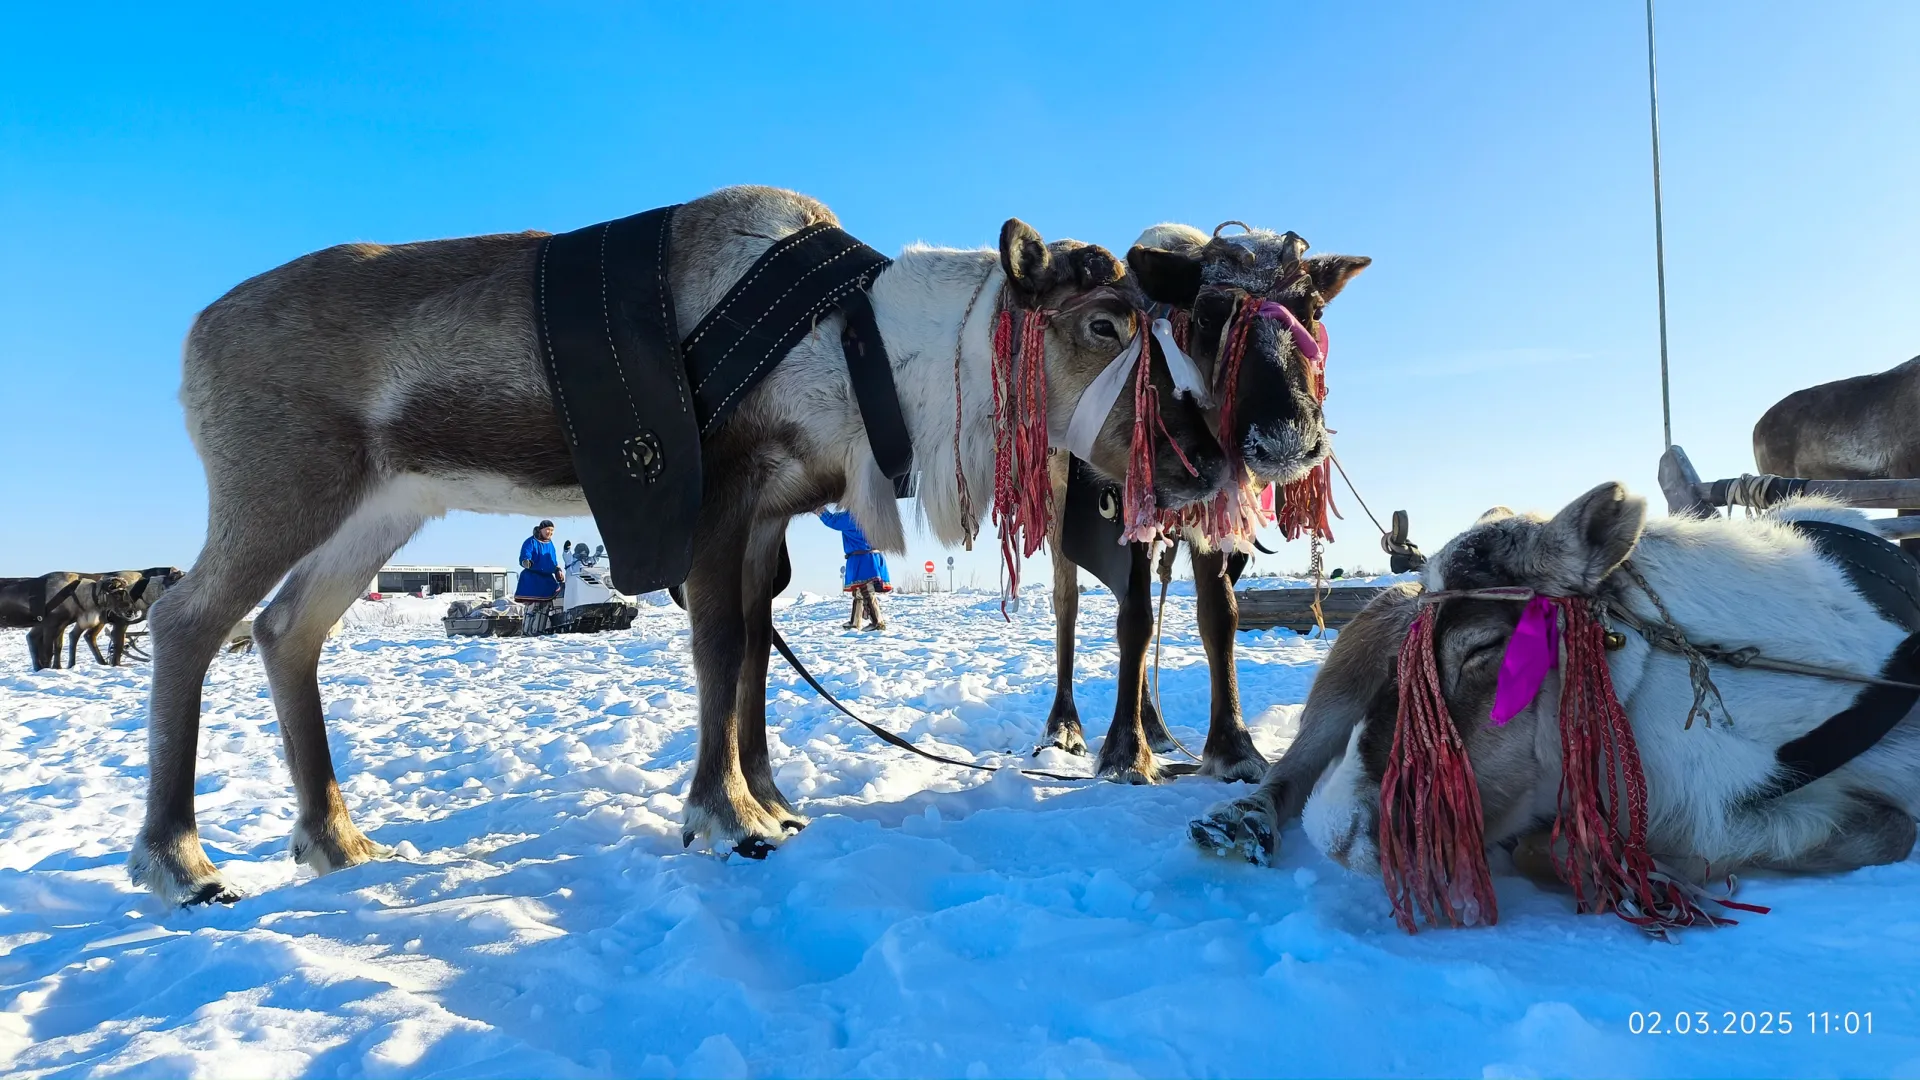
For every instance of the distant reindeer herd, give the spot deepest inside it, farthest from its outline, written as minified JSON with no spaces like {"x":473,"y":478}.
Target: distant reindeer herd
{"x":80,"y":606}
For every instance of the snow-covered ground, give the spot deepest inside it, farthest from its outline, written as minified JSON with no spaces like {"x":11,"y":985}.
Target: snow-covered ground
{"x":933,"y":921}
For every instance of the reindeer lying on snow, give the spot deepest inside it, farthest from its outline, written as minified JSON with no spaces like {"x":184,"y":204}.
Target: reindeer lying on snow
{"x":312,"y":395}
{"x":48,"y":604}
{"x":1803,"y":625}
{"x":1256,"y":286}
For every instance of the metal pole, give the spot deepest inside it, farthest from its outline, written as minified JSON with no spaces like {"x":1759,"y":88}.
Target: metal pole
{"x":1659,"y":234}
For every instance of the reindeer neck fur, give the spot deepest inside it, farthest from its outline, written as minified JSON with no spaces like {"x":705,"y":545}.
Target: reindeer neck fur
{"x":920,"y":302}
{"x":1733,"y":584}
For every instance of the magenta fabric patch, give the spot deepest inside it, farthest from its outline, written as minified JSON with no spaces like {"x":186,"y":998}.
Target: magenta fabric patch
{"x":1533,"y":651}
{"x":1311,"y":346}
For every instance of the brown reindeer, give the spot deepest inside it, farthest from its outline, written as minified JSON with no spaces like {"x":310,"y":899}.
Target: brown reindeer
{"x":1860,"y":428}
{"x":1281,"y":434}
{"x":314,"y":394}
{"x":144,"y":588}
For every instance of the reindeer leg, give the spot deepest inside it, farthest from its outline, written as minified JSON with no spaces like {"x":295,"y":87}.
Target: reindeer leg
{"x":93,"y":643}
{"x":1229,"y":754}
{"x":763,"y":580}
{"x":1871,"y":831}
{"x":291,"y":633}
{"x":720,"y":805}
{"x":1063,"y":720}
{"x":38,"y":653}
{"x":249,"y":547}
{"x":1125,"y":755}
{"x":56,"y":638}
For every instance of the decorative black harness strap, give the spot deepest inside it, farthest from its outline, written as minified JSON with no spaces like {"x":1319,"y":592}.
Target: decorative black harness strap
{"x":612,"y":351}
{"x":1889,"y":580}
{"x":635,"y":400}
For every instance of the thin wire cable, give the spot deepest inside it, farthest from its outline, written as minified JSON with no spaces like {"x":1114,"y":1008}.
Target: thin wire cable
{"x":1357,"y":498}
{"x":1659,"y":234}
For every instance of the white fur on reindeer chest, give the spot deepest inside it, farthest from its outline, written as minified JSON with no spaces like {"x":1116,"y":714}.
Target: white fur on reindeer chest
{"x":1736,"y":584}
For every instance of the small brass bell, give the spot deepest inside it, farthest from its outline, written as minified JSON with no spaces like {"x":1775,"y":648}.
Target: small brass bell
{"x":1616,"y":641}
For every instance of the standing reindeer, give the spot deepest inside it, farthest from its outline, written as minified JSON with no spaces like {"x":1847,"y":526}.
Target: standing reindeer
{"x":144,"y":589}
{"x":1860,"y":428}
{"x":313,"y":394}
{"x":48,"y":604}
{"x":1279,"y":434}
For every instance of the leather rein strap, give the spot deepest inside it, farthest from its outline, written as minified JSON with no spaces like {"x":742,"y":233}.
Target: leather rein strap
{"x":889,"y":737}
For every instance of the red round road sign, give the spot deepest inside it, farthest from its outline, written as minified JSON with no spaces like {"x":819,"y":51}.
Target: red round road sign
{"x":929,"y":566}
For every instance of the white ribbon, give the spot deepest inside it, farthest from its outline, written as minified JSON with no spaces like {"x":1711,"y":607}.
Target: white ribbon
{"x":1186,"y":374}
{"x":1090,"y":414}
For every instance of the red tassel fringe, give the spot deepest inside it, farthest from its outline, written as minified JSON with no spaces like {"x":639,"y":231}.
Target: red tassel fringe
{"x":1022,"y":490}
{"x":1432,"y":839}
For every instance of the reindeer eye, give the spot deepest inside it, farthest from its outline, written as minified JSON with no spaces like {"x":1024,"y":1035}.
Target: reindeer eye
{"x":1104,"y":328}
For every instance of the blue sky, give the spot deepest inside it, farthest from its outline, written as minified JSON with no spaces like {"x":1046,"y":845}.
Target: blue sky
{"x":1491,"y":158}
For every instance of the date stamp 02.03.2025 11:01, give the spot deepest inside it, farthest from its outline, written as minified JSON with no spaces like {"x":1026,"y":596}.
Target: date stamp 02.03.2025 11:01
{"x":1749,"y":1022}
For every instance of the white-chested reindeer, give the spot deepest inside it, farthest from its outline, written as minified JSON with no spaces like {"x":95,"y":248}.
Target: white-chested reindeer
{"x":1280,"y":434}
{"x":315,"y":395}
{"x":1721,"y":795}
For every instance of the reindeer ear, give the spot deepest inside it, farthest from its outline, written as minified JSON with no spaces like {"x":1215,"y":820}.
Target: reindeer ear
{"x":1595,"y":534}
{"x":1024,"y":256}
{"x":1167,"y":277}
{"x":1330,"y":273}
{"x":1094,"y":266}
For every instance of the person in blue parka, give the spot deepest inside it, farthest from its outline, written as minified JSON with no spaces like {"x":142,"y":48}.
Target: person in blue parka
{"x":540,"y":573}
{"x":865,"y":573}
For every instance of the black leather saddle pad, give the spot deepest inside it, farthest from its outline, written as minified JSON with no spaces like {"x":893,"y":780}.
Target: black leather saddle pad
{"x":635,"y":400}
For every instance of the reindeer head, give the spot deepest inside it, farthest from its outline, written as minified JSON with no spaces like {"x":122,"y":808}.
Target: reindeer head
{"x":154,"y":583}
{"x":1098,"y":311}
{"x":113,"y":594}
{"x":1277,"y":426}
{"x":1516,"y":764}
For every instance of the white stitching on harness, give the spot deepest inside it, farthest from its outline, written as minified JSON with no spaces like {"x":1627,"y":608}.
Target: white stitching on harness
{"x":546,"y":341}
{"x":666,"y":316}
{"x":813,"y":313}
{"x":606,"y":321}
{"x":748,"y":332}
{"x":785,"y":244}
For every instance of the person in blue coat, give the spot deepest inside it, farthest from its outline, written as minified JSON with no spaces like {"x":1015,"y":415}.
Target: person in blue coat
{"x":540,"y":573}
{"x":865,"y":573}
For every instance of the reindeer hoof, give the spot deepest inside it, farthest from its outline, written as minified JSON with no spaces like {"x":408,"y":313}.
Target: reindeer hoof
{"x":753,"y":847}
{"x":1246,"y":769}
{"x":1063,"y":733}
{"x":1071,"y":742}
{"x":213,"y":892}
{"x":1237,"y":827}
